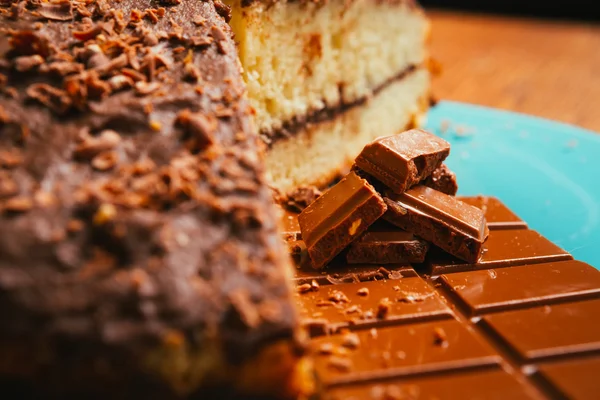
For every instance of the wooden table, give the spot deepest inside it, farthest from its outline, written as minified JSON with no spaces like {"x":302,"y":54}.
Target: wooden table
{"x":545,"y":68}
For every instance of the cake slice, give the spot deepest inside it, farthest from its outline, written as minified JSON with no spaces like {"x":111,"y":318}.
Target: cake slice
{"x":139,"y":253}
{"x":327,"y":77}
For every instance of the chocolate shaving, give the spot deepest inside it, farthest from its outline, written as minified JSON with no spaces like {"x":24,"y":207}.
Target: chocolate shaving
{"x":61,"y":10}
{"x":18,"y":204}
{"x":53,"y":98}
{"x":105,"y":161}
{"x":10,"y":159}
{"x":88,"y":34}
{"x":220,"y":37}
{"x":245,"y":309}
{"x":27,"y":43}
{"x":223,"y":10}
{"x":27,"y":63}
{"x":191,"y":73}
{"x":8,"y":187}
{"x":298,"y":199}
{"x":91,"y":146}
{"x":119,"y":82}
{"x":114,"y":64}
{"x":64,"y":68}
{"x":201,"y":41}
{"x":337,"y":279}
{"x":198,"y":129}
{"x":145,"y":88}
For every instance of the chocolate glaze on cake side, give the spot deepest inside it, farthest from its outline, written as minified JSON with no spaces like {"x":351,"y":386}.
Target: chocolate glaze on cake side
{"x":137,"y":237}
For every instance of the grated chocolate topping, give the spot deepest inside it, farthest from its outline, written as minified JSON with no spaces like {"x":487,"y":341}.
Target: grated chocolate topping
{"x":132,"y":197}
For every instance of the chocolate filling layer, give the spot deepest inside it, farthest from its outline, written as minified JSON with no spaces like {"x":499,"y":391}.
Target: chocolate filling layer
{"x":299,"y":122}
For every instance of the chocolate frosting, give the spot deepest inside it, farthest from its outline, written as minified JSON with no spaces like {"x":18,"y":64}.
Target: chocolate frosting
{"x":132,"y":197}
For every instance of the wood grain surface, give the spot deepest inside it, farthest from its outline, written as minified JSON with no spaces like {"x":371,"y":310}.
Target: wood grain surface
{"x":545,"y":68}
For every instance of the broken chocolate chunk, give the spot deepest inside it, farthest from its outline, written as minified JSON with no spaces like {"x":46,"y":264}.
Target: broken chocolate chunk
{"x":456,"y":227}
{"x":338,"y":216}
{"x":403,"y":160}
{"x":442,"y":180}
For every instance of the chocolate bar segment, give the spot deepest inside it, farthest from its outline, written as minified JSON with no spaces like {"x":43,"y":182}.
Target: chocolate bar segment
{"x":572,"y":379}
{"x":550,"y":330}
{"x":456,"y":227}
{"x":502,"y":249}
{"x":339,"y":216}
{"x":517,"y":287}
{"x":399,"y":351}
{"x":339,"y":273}
{"x":366,"y":304}
{"x":497,"y":215}
{"x":484,"y":384}
{"x":392,"y":246}
{"x":442,"y":180}
{"x":403,"y":160}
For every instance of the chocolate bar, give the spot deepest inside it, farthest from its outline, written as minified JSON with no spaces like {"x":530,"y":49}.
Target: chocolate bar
{"x":524,"y":331}
{"x":391,"y":246}
{"x":442,"y":180}
{"x":338,"y":216}
{"x":484,"y":384}
{"x":515,"y":287}
{"x":502,"y":249}
{"x":456,"y":227}
{"x":497,"y":215}
{"x":349,"y":273}
{"x":403,"y":160}
{"x":364,"y":303}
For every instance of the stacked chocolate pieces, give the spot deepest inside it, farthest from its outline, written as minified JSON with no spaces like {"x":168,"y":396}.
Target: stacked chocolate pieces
{"x":398,"y":199}
{"x":519,"y":323}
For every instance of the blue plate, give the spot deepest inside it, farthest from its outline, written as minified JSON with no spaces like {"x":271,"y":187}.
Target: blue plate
{"x":547,"y":172}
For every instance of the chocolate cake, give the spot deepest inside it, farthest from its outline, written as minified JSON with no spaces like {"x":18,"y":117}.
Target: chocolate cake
{"x":139,"y":252}
{"x":326,"y":77}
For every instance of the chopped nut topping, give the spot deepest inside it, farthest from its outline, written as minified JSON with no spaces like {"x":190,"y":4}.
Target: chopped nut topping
{"x":325,"y":349}
{"x":354,"y":227}
{"x":337,"y":296}
{"x":105,"y":213}
{"x":439,"y":337}
{"x":339,"y":363}
{"x":27,"y":63}
{"x":350,"y":340}
{"x":18,"y":204}
{"x":383,"y":308}
{"x":304,"y":288}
